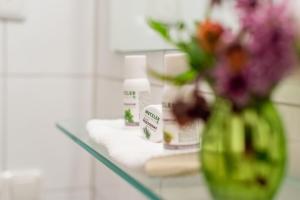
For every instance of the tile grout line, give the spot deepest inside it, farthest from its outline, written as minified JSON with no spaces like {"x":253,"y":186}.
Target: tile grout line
{"x":5,"y":93}
{"x":66,"y":189}
{"x":94,"y":99}
{"x":3,"y":104}
{"x":281,"y":103}
{"x":116,"y":79}
{"x":46,"y":75}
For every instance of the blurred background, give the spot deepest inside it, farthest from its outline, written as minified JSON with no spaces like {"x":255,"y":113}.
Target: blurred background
{"x":63,"y":59}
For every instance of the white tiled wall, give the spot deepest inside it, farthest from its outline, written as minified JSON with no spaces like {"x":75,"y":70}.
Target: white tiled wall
{"x":2,"y":61}
{"x":46,"y":65}
{"x":110,"y":186}
{"x":289,"y":91}
{"x":108,"y":62}
{"x":56,"y":36}
{"x":32,"y":137}
{"x":2,"y":141}
{"x":68,"y":194}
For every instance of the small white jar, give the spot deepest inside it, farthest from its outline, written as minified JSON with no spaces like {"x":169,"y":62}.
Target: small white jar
{"x":151,"y":123}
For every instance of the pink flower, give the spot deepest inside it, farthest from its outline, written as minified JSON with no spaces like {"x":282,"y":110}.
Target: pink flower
{"x":271,"y":45}
{"x":231,"y":80}
{"x":232,"y":86}
{"x":248,"y":5}
{"x":247,"y":9}
{"x":251,"y":67}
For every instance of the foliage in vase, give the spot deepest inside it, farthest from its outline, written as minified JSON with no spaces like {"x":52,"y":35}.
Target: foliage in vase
{"x":243,"y":150}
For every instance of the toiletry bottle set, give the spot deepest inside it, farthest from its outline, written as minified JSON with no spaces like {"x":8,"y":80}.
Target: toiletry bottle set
{"x":157,"y":121}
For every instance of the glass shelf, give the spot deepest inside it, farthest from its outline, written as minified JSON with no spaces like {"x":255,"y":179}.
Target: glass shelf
{"x":171,"y":188}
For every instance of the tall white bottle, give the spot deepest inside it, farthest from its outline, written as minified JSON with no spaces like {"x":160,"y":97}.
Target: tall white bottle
{"x":176,"y":137}
{"x":136,"y":89}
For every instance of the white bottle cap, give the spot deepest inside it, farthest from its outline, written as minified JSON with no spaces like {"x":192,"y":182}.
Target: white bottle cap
{"x":135,"y":66}
{"x":175,"y":64}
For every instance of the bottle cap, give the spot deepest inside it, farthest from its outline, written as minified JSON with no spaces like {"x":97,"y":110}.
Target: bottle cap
{"x":175,"y":64}
{"x":135,"y":66}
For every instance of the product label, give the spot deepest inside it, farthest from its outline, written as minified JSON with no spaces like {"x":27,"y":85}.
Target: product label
{"x":151,"y":122}
{"x":134,"y":102}
{"x":174,"y":135}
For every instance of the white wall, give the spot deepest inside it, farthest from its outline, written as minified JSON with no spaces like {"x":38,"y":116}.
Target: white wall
{"x":46,"y":65}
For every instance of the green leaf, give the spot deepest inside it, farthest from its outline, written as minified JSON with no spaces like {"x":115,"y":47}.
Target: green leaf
{"x":199,"y":60}
{"x":146,"y":132}
{"x":180,"y":26}
{"x":168,"y":137}
{"x":128,"y":116}
{"x":181,"y":79}
{"x":161,"y":28}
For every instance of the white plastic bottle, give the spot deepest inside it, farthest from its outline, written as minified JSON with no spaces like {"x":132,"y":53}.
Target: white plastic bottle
{"x":136,"y":89}
{"x":176,"y":137}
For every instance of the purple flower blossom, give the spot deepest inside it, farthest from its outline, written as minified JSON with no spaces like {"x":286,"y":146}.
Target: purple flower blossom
{"x":248,"y":5}
{"x":232,"y":85}
{"x":248,"y":9}
{"x":271,"y":44}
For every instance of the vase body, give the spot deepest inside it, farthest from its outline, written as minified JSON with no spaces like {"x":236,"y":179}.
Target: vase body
{"x":244,"y":153}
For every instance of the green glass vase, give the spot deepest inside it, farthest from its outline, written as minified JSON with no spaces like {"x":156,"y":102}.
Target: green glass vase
{"x":244,"y":152}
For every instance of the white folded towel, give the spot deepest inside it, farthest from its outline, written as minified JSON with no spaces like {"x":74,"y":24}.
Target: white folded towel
{"x":125,"y":145}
